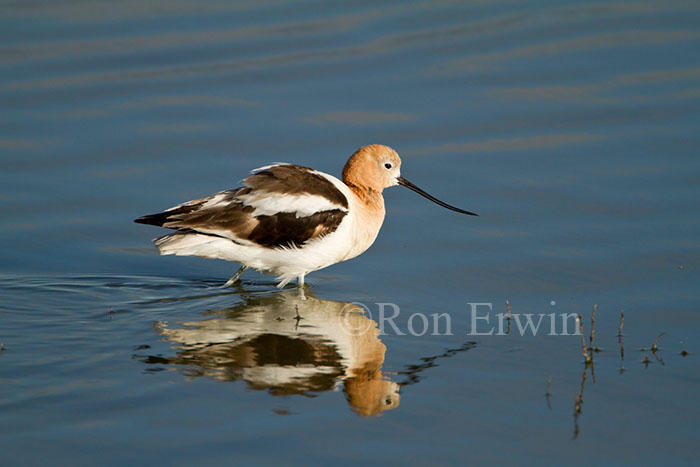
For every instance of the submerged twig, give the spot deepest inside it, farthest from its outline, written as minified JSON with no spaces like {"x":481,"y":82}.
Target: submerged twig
{"x":659,"y":359}
{"x":577,"y":412}
{"x":584,"y":350}
{"x":592,"y":336}
{"x":654,"y":347}
{"x":508,"y":317}
{"x":622,"y":354}
{"x":622,"y":323}
{"x":578,"y":400}
{"x":547,"y":394}
{"x":619,"y":339}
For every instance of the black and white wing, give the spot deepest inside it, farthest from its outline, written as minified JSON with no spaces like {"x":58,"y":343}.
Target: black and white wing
{"x":281,"y":205}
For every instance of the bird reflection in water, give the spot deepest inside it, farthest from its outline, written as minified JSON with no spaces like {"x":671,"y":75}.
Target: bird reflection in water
{"x":288,"y":345}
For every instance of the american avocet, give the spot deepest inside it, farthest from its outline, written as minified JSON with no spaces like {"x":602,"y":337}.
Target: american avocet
{"x":342,"y":345}
{"x":289,"y":220}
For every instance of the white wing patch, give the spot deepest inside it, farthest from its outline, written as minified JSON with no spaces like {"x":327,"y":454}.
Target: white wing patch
{"x":270,"y":204}
{"x":265,"y":167}
{"x":214,"y":200}
{"x":218,"y":200}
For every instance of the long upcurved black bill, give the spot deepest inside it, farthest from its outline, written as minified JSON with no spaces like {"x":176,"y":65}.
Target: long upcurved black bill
{"x":402,"y":181}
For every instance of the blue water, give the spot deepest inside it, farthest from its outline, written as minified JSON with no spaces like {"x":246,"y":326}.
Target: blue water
{"x":570,"y":127}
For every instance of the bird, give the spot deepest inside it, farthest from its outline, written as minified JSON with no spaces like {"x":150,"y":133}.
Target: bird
{"x":343,"y":342}
{"x":287,"y":219}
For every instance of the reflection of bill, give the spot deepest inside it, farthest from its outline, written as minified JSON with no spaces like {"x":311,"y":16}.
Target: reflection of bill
{"x":286,"y":345}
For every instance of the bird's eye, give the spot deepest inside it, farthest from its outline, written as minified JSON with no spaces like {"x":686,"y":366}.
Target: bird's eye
{"x":387,"y":165}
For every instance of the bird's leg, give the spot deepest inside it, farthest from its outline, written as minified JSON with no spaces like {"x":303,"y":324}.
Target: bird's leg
{"x":235,"y":277}
{"x":300,"y":287}
{"x":298,"y":318}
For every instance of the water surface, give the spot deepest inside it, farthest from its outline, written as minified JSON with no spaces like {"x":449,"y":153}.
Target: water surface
{"x":570,"y":127}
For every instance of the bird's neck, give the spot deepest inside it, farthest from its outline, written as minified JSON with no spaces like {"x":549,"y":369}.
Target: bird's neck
{"x":370,"y":197}
{"x":368,"y":216}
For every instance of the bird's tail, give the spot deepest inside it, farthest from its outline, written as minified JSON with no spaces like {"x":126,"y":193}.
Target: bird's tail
{"x":190,"y":244}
